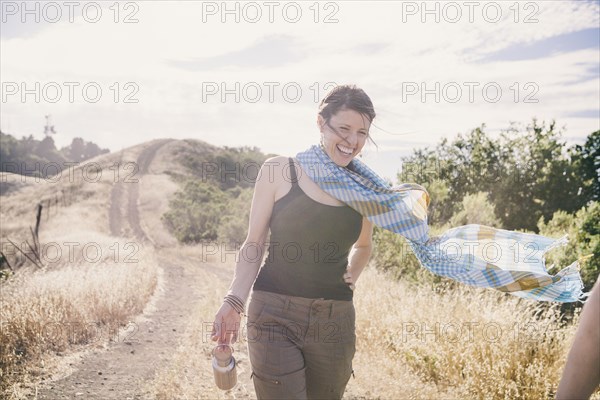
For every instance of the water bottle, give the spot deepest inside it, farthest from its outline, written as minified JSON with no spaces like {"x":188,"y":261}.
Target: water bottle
{"x":223,"y":364}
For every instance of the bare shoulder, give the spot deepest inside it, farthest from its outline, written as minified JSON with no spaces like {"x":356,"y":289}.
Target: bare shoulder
{"x":278,"y":161}
{"x":274,"y":170}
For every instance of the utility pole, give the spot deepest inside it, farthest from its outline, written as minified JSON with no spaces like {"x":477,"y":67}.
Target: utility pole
{"x":49,"y":128}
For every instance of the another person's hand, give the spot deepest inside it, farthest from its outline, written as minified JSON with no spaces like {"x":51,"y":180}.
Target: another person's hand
{"x":581,"y":375}
{"x":226,"y":326}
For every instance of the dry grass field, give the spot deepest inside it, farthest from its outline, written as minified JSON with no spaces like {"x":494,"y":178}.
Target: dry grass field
{"x":412,"y":343}
{"x":129,"y":315}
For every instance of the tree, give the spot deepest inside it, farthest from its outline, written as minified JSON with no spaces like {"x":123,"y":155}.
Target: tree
{"x":77,"y":149}
{"x":46,"y":147}
{"x":541,"y":180}
{"x":586,"y":161}
{"x":92,"y":150}
{"x":527,"y":173}
{"x":28,"y":156}
{"x":8,"y":149}
{"x":583,"y":229}
{"x":51,"y":160}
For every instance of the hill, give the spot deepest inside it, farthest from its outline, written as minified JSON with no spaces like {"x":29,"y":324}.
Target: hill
{"x":122,"y":305}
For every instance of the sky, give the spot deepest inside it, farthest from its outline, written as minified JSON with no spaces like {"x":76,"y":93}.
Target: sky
{"x":253,"y":73}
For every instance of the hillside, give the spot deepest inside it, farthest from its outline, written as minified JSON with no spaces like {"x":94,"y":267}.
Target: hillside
{"x":118,"y":213}
{"x":134,"y":322}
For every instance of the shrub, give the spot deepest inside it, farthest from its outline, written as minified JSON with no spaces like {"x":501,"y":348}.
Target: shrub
{"x":394,"y":255}
{"x":234,"y":226}
{"x":475,"y":209}
{"x":583,"y":228}
{"x":195,"y":213}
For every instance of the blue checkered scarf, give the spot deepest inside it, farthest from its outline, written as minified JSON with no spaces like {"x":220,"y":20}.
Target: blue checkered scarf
{"x":474,"y":254}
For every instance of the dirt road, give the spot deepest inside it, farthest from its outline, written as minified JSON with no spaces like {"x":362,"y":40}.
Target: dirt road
{"x":122,"y":369}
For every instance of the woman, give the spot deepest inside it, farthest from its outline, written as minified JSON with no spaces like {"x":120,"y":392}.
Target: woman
{"x":301,"y":333}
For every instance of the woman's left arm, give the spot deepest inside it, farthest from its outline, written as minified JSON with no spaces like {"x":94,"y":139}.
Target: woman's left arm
{"x":360,"y":254}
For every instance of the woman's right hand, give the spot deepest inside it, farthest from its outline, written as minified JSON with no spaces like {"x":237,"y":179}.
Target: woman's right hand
{"x":226,"y":326}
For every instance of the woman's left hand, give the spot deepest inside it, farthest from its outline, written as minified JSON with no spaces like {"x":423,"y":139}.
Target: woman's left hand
{"x":349,"y":280}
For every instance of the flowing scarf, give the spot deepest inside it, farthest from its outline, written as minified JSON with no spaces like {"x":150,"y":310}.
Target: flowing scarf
{"x":477,"y":255}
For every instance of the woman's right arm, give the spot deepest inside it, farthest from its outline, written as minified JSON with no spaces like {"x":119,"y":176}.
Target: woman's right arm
{"x":227,"y":320}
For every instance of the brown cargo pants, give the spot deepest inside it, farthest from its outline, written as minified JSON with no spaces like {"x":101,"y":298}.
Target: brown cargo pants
{"x":300,"y":348}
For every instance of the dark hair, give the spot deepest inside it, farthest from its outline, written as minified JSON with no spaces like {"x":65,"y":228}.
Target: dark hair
{"x":346,"y":97}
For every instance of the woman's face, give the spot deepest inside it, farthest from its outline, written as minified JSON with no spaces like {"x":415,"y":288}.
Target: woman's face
{"x":353,"y":129}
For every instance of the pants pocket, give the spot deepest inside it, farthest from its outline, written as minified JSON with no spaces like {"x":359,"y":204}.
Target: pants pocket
{"x":288,"y":386}
{"x":255,"y":310}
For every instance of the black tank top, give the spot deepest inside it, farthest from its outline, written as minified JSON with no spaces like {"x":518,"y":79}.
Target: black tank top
{"x":309,"y":246}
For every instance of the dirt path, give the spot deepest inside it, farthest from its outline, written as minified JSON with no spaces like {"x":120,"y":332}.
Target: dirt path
{"x":122,"y":369}
{"x":126,"y":191}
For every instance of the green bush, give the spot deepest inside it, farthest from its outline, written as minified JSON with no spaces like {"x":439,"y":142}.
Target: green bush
{"x":393,"y":254}
{"x":583,"y":229}
{"x":225,"y":167}
{"x":218,"y":185}
{"x":475,"y":209}
{"x":195,"y":213}
{"x":234,"y":226}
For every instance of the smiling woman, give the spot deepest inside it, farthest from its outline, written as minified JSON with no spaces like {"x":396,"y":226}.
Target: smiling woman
{"x":301,"y":315}
{"x":344,"y":120}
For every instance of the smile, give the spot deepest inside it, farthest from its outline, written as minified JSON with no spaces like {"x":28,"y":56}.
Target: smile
{"x":344,"y":149}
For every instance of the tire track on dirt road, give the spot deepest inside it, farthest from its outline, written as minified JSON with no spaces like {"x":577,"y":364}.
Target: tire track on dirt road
{"x":127,"y":191}
{"x":143,"y":163}
{"x":123,"y":368}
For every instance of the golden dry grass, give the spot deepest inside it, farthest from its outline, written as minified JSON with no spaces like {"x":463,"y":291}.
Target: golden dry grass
{"x":49,"y":310}
{"x":79,"y":303}
{"x":466,"y":343}
{"x":412,"y":343}
{"x":91,"y":285}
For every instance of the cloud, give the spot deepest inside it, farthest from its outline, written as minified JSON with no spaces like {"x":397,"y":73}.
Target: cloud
{"x":270,"y":51}
{"x":369,"y":48}
{"x":585,"y":114}
{"x":176,"y":51}
{"x":568,"y":42}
